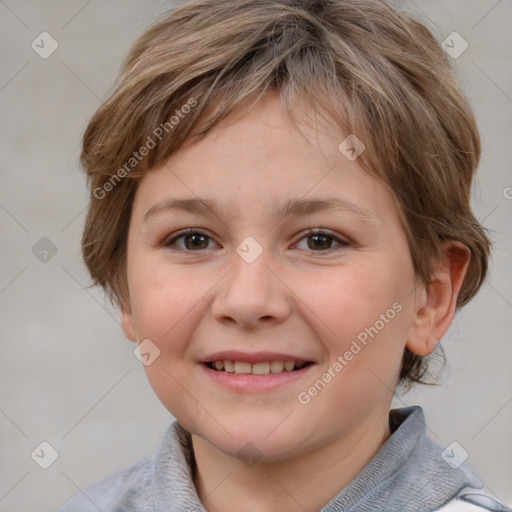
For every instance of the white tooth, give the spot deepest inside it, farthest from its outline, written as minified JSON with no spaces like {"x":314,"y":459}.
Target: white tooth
{"x":289,"y":365}
{"x":242,"y":367}
{"x":276,"y":366}
{"x":229,"y":366}
{"x":219,"y":365}
{"x":261,"y":368}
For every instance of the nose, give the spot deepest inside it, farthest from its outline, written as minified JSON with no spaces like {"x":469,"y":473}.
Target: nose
{"x":252,"y":294}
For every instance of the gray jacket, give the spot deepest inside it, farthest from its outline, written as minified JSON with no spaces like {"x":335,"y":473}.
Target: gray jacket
{"x":410,"y":473}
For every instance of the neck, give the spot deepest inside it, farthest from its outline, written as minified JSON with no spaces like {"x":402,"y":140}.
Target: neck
{"x":303,"y":483}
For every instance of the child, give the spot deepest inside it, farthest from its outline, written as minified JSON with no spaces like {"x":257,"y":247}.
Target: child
{"x":258,"y":130}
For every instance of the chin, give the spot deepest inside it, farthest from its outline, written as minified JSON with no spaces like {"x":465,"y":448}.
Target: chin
{"x":251,"y":450}
{"x":254,"y":439}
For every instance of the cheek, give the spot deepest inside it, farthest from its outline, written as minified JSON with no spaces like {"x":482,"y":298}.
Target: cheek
{"x":364,"y":354}
{"x":167,"y":308}
{"x":352,"y":298}
{"x":366,"y":311}
{"x":164,"y":300}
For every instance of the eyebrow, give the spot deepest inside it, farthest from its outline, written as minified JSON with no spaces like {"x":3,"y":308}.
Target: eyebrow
{"x":291,"y":207}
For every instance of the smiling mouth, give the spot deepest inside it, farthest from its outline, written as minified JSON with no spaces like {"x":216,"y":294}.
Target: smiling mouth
{"x":263,"y":368}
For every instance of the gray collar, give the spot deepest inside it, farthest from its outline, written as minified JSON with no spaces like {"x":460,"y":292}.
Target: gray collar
{"x":407,"y":474}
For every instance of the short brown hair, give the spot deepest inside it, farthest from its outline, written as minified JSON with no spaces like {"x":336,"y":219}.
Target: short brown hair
{"x":370,"y":68}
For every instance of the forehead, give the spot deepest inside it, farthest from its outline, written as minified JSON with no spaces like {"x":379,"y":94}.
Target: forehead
{"x":261,"y":161}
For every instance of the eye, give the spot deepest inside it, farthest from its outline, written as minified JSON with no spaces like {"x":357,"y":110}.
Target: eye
{"x":193,"y":240}
{"x":321,"y":241}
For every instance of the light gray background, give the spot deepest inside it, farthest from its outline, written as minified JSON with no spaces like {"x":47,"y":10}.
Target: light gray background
{"x":67,"y":374}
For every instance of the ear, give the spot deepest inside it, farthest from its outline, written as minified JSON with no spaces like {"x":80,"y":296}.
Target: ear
{"x":127,"y":321}
{"x":436,"y":303}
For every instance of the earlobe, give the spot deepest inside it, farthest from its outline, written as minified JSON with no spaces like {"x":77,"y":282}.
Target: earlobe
{"x":127,"y":323}
{"x":436,"y":305}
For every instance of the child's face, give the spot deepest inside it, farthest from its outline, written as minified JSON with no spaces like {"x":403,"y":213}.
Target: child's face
{"x":304,"y":298}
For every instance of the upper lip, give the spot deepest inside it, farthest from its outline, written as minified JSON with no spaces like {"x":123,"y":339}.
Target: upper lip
{"x":253,"y":358}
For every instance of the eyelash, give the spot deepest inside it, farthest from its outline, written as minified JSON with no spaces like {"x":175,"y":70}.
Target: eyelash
{"x":169,"y":242}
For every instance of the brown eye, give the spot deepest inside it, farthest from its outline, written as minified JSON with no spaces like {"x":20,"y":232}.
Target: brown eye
{"x":195,"y":241}
{"x":321,"y":241}
{"x":192,"y":241}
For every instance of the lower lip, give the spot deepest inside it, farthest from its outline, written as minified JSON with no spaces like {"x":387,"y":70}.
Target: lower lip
{"x":253,"y":383}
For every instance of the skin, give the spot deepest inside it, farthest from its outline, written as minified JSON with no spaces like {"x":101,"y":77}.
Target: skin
{"x":301,"y":296}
